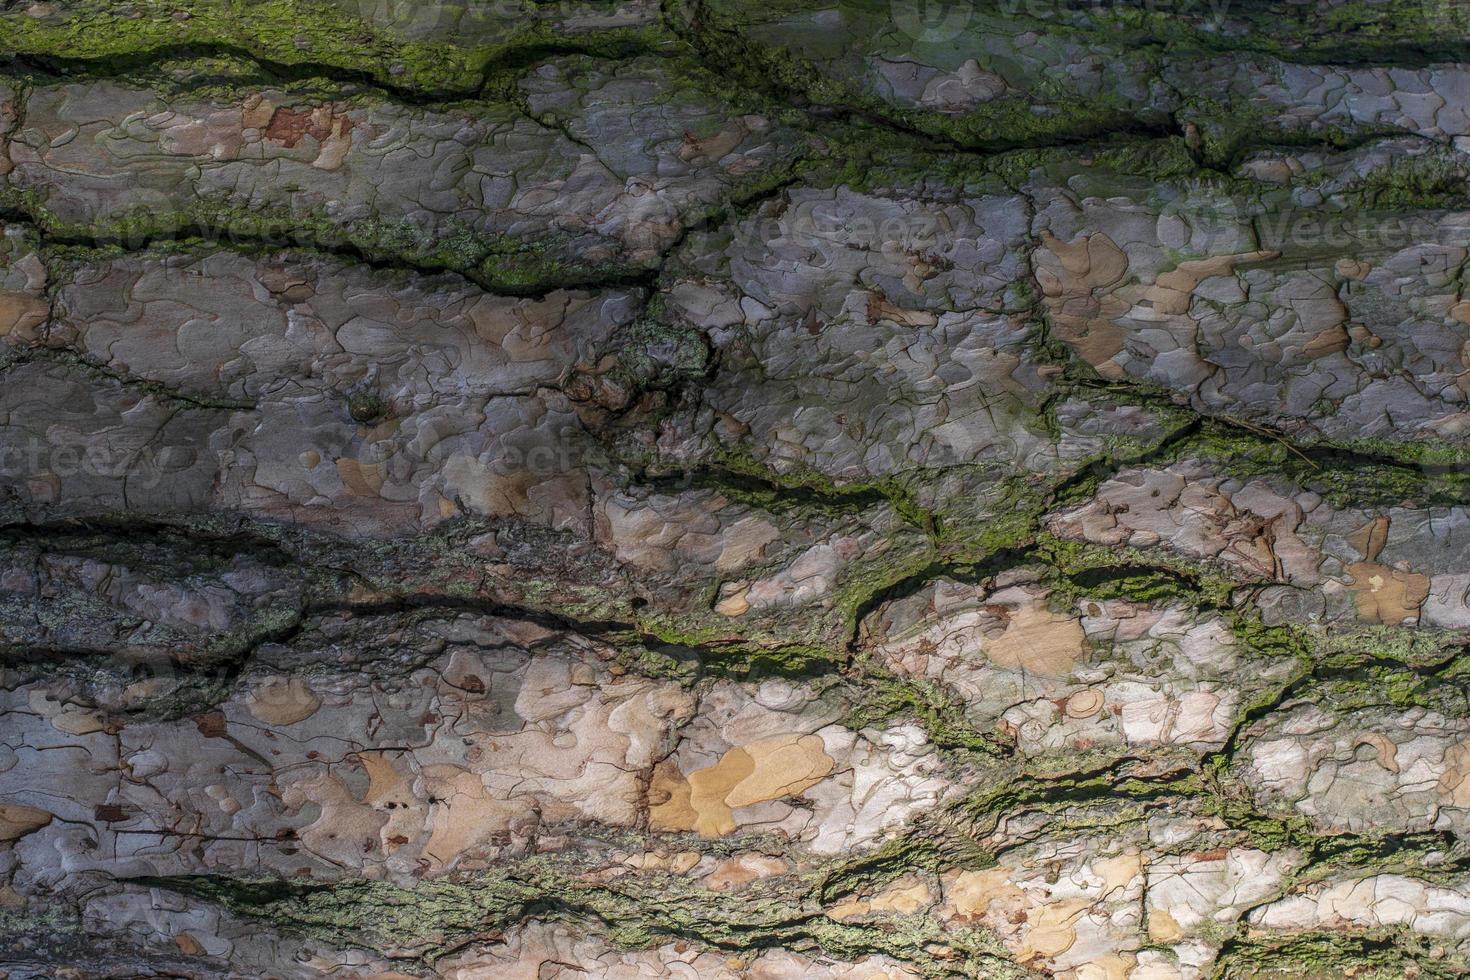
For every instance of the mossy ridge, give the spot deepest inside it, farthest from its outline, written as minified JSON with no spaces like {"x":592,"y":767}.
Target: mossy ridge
{"x":302,"y":38}
{"x":1126,"y":790}
{"x":1005,"y":124}
{"x":435,"y":917}
{"x":1229,"y":131}
{"x":881,"y":697}
{"x":1080,"y":570}
{"x":776,"y":488}
{"x":1401,"y":32}
{"x":1085,"y":792}
{"x":499,"y":263}
{"x":437,"y":570}
{"x":722,"y":32}
{"x":1379,"y":954}
{"x":747,"y":655}
{"x":1432,"y":181}
{"x":1360,"y":472}
{"x":296,"y":35}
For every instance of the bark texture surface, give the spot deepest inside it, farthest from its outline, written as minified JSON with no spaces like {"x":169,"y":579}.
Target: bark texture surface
{"x":835,"y":489}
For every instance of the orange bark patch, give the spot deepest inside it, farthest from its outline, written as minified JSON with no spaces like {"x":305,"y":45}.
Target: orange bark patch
{"x":17,"y":820}
{"x":1387,"y":595}
{"x":1454,"y":785}
{"x":767,"y":769}
{"x":22,"y":314}
{"x":282,"y":701}
{"x":1077,"y":279}
{"x":1038,"y":641}
{"x":287,"y":125}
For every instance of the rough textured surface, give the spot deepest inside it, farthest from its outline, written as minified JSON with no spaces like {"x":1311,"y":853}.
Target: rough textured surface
{"x":837,"y":490}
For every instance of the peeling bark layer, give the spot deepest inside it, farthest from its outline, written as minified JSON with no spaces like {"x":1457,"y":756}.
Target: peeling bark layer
{"x":713,"y":489}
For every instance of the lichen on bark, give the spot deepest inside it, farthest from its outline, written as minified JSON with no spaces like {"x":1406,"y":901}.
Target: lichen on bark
{"x":837,"y":489}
